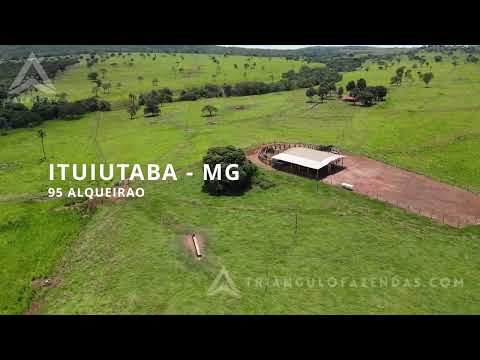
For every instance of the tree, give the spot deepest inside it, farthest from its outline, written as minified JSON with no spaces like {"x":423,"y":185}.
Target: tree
{"x":212,"y":110}
{"x":310,"y":93}
{"x":106,"y":87}
{"x":400,"y":71}
{"x":103,"y":71}
{"x":340,"y":92}
{"x":355,"y":93}
{"x":164,"y":98}
{"x":151,"y":108}
{"x":380,"y":92}
{"x":323,"y":91}
{"x":408,"y":75}
{"x":225,"y":156}
{"x":427,"y":77}
{"x":42,"y":134}
{"x":361,"y":84}
{"x":395,"y":80}
{"x":350,"y":86}
{"x":132,"y":106}
{"x":332,"y":88}
{"x":366,"y":97}
{"x":93,"y":76}
{"x":3,"y":125}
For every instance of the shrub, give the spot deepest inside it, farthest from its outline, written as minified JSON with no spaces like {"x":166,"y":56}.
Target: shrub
{"x":189,"y":95}
{"x":20,"y":119}
{"x":226,"y":156}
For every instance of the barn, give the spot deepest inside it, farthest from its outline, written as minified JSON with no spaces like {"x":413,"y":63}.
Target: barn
{"x":307,"y":162}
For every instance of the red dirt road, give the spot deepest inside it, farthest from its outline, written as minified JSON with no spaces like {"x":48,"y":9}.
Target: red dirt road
{"x":410,"y":191}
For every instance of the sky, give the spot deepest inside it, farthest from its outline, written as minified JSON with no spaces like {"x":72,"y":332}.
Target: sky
{"x":292,"y":47}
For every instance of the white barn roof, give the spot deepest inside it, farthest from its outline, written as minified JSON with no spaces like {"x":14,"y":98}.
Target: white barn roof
{"x":313,"y":159}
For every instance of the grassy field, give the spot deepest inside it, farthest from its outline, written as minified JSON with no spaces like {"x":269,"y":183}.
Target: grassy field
{"x":129,"y":258}
{"x":198,"y":69}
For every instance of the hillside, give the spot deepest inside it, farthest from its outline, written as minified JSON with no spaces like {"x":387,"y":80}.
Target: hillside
{"x":8,"y":51}
{"x":135,"y":73}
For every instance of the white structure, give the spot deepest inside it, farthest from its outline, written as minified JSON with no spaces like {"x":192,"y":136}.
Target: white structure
{"x":308,"y":158}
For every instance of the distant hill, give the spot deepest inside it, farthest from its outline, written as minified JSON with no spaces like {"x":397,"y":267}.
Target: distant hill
{"x":12,"y":51}
{"x":350,"y":49}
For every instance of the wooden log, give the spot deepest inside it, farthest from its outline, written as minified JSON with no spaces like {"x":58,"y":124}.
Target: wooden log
{"x":197,"y":246}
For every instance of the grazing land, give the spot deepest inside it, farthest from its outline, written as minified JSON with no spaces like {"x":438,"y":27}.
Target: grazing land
{"x":174,"y":71}
{"x":129,"y":257}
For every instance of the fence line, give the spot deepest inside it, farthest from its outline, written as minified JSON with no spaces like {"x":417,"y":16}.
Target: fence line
{"x":267,"y":151}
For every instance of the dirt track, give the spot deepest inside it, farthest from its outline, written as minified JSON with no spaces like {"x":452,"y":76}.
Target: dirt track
{"x":410,"y":191}
{"x":413,"y":192}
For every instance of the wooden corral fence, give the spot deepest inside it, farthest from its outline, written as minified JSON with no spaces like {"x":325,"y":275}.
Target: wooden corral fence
{"x":266,"y":152}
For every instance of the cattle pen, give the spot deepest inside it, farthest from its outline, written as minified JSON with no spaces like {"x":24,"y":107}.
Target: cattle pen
{"x":309,"y":160}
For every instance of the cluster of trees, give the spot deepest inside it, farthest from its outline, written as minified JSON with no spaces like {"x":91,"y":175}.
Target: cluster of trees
{"x":206,"y":91}
{"x":323,"y":91}
{"x":16,"y":115}
{"x":471,"y":59}
{"x":152,"y":102}
{"x":100,"y":83}
{"x":340,"y":63}
{"x":402,"y":73}
{"x":366,"y":95}
{"x":397,"y":79}
{"x":160,"y":96}
{"x":306,"y":77}
{"x":226,"y":156}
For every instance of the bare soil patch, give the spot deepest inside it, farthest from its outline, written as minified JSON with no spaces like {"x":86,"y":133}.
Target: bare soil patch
{"x":239,"y":107}
{"x":34,"y":308}
{"x":410,"y":191}
{"x":188,"y":244}
{"x":252,"y":155}
{"x":46,"y":283}
{"x":404,"y":189}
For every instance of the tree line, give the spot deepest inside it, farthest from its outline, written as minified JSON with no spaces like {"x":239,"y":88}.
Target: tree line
{"x":15,"y":115}
{"x":291,"y":80}
{"x":366,"y":95}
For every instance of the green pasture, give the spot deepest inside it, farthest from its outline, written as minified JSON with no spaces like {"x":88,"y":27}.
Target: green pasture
{"x":128,"y":257}
{"x":177,"y":72}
